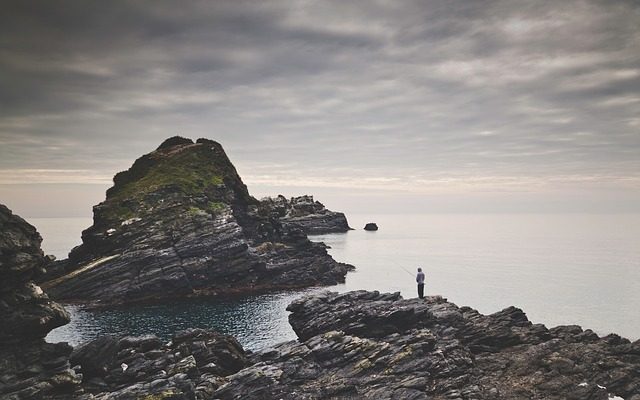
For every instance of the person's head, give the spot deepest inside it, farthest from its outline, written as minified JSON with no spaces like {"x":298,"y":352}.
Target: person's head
{"x":419,"y":269}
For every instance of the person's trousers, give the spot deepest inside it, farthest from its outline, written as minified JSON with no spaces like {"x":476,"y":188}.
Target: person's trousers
{"x":421,"y":290}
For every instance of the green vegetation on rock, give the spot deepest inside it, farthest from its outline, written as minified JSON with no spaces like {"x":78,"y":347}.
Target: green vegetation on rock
{"x":191,"y":170}
{"x":216,"y":206}
{"x":188,"y":170}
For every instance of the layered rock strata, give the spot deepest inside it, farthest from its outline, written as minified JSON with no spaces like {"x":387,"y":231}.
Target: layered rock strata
{"x":29,"y":367}
{"x":367,"y":345}
{"x":191,"y":366}
{"x":180,"y":222}
{"x":305,"y":213}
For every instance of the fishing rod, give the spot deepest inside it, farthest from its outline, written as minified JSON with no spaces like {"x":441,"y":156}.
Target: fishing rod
{"x":403,"y":268}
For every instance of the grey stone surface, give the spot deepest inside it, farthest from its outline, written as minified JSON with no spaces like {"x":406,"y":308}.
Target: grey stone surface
{"x":29,"y":367}
{"x":368,"y":345}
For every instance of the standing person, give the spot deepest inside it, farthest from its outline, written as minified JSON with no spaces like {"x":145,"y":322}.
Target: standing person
{"x":420,"y":280}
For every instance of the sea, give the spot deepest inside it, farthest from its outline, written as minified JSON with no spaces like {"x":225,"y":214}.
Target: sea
{"x":561,"y":269}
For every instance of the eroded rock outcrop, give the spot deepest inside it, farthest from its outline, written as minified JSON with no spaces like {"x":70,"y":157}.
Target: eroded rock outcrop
{"x":29,"y":367}
{"x":367,"y":345}
{"x":180,"y":222}
{"x":305,"y":213}
{"x":191,"y":366}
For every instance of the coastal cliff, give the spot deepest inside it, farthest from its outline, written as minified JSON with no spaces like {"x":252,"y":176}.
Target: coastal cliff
{"x":180,"y":222}
{"x":29,"y":367}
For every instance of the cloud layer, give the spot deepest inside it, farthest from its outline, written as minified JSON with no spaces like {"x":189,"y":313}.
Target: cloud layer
{"x":421,"y":96}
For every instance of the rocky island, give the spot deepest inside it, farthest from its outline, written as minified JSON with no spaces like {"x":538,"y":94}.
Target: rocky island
{"x":180,"y":222}
{"x":356,"y":345}
{"x":371,"y":226}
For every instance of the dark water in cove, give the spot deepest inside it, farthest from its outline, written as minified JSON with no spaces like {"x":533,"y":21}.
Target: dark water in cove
{"x":256,"y":321}
{"x":560,"y":269}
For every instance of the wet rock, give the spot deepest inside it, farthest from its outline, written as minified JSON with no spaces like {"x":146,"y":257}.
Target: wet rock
{"x":180,"y":222}
{"x":371,"y":226}
{"x":29,"y":367}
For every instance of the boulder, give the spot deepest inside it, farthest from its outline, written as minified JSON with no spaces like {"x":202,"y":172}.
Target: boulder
{"x":371,"y":226}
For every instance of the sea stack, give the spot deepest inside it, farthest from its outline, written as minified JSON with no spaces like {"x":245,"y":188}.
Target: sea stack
{"x":371,"y":226}
{"x":180,"y":222}
{"x":29,"y":367}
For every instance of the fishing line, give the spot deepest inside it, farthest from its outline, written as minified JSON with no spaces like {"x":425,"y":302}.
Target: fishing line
{"x":403,"y":268}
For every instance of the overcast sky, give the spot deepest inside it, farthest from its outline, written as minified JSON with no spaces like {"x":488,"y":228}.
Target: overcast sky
{"x":374,"y":106}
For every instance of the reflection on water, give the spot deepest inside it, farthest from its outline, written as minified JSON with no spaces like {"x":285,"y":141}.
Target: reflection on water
{"x":256,"y":321}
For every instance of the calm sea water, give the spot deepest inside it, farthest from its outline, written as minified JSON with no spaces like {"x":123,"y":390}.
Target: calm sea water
{"x":560,"y":269}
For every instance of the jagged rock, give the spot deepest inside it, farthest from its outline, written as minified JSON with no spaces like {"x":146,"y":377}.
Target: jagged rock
{"x":29,"y":367}
{"x":180,"y":222}
{"x":193,"y":364}
{"x":371,"y":226}
{"x":370,"y":345}
{"x":309,"y":215}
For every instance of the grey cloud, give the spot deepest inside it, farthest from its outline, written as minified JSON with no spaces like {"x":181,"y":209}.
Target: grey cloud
{"x":424,"y":87}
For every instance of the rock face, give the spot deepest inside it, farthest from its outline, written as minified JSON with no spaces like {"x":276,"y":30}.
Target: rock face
{"x":180,"y":222}
{"x":367,"y":345}
{"x":191,"y":366}
{"x":371,"y":226}
{"x":29,"y":367}
{"x":305,"y":213}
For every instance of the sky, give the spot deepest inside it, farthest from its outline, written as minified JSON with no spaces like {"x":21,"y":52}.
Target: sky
{"x":371,"y":106}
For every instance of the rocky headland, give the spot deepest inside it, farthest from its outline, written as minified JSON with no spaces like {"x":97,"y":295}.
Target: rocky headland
{"x":180,"y":222}
{"x":304,"y":213}
{"x":356,"y":345}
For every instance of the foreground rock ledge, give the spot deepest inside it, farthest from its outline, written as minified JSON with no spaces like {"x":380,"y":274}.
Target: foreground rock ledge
{"x":379,"y":346}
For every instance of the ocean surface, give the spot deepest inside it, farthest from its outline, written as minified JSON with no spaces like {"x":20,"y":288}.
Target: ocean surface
{"x":559,"y":268}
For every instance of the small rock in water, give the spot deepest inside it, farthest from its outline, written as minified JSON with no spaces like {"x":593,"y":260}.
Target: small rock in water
{"x":371,"y":226}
